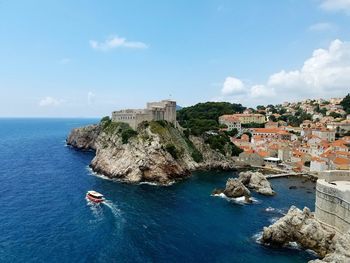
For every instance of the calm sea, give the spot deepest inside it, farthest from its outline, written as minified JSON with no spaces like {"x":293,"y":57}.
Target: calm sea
{"x":44,"y":216}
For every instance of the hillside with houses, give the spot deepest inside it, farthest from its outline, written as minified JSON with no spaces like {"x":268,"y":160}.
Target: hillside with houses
{"x":303,"y":136}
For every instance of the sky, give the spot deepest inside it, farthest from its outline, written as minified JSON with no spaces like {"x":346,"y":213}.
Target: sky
{"x":86,"y":58}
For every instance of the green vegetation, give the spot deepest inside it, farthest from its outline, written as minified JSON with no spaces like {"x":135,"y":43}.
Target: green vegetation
{"x":297,"y":119}
{"x":127,"y":134}
{"x":222,"y":143}
{"x":335,"y":115}
{"x":204,"y":117}
{"x":217,"y":142}
{"x":172,"y":137}
{"x":235,"y":150}
{"x":105,"y":119}
{"x":170,"y":148}
{"x":346,"y":103}
{"x":123,"y":129}
{"x":232,"y":132}
{"x":253,"y":125}
{"x":158,"y":128}
{"x":272,"y":118}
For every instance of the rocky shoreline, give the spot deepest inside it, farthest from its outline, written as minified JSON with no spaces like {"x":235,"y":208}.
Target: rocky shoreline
{"x":302,"y":227}
{"x":156,"y":153}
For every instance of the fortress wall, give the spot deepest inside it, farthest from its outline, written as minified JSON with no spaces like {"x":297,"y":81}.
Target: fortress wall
{"x":333,"y":204}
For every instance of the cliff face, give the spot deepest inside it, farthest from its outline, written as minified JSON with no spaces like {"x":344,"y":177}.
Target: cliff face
{"x":157,"y":152}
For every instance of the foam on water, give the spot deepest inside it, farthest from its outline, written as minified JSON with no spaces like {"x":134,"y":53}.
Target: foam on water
{"x":273,"y":220}
{"x":237,"y":200}
{"x":96,"y":210}
{"x":257,"y":237}
{"x":270,"y":209}
{"x":275,"y":211}
{"x":91,"y":172}
{"x":156,"y":184}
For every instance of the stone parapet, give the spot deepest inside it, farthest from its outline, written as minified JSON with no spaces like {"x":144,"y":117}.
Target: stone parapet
{"x":333,"y":202}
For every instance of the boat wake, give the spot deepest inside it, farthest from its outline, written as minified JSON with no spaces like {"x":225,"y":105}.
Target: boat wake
{"x":99,"y":212}
{"x":96,"y":210}
{"x":114,"y":209}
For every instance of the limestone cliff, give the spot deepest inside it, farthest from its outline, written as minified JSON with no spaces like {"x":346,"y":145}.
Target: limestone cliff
{"x":303,"y":228}
{"x":156,"y":152}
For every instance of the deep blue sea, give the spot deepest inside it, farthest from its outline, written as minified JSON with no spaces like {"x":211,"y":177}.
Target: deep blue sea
{"x":44,"y":216}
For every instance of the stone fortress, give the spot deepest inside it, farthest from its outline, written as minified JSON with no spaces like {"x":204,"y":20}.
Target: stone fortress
{"x":155,"y":111}
{"x":333,"y":199}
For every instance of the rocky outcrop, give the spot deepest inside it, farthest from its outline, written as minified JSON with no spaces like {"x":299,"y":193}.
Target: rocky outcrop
{"x":84,"y":138}
{"x":256,"y":181}
{"x":340,"y":252}
{"x":157,"y":152}
{"x":235,"y":188}
{"x":302,"y":227}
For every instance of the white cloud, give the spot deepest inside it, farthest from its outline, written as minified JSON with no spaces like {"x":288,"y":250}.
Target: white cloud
{"x":258,"y":91}
{"x":323,"y":26}
{"x":91,"y":97}
{"x":232,"y":86}
{"x":325,"y":74}
{"x":49,"y":102}
{"x":116,"y":42}
{"x":336,"y":5}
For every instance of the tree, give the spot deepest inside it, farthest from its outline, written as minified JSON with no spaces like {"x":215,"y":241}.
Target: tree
{"x":260,"y":107}
{"x":335,"y":115}
{"x":346,"y":103}
{"x":272,"y":118}
{"x":232,"y":132}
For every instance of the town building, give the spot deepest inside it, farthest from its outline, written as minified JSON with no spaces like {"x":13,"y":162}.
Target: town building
{"x":342,"y":126}
{"x":231,"y":122}
{"x":155,"y":111}
{"x":249,"y":118}
{"x":325,"y":134}
{"x":271,"y":134}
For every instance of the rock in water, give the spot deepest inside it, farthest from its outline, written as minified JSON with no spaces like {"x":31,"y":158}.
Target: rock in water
{"x":300,"y":227}
{"x":256,"y":181}
{"x":235,"y":188}
{"x":303,"y":228}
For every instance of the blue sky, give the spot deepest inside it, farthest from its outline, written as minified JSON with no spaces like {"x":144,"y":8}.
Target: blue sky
{"x":87,"y":58}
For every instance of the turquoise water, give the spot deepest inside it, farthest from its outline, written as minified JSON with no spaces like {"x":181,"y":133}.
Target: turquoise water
{"x":44,"y":216}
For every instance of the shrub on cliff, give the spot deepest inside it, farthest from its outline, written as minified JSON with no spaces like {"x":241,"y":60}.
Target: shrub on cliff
{"x":170,"y":148}
{"x":218,"y":142}
{"x":127,"y":134}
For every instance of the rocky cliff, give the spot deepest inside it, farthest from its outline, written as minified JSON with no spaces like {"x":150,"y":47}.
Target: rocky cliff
{"x":157,"y":152}
{"x":302,"y":227}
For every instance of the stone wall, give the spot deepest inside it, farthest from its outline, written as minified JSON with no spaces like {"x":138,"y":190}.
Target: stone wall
{"x":333,"y":200}
{"x":155,"y":111}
